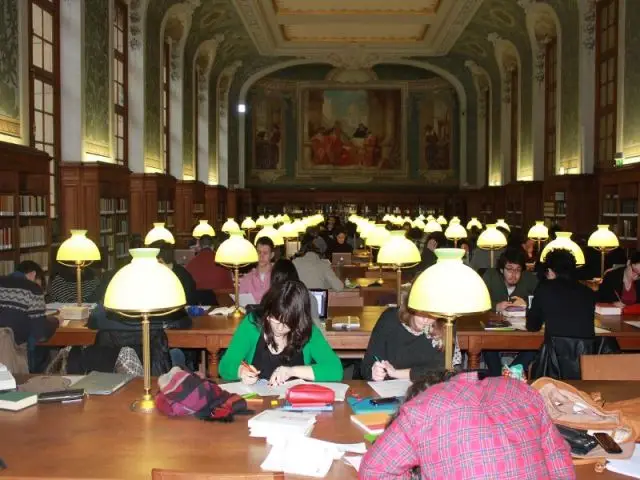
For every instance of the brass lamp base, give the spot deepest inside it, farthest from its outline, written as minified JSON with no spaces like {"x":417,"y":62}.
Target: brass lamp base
{"x":237,"y":314}
{"x":146,"y":404}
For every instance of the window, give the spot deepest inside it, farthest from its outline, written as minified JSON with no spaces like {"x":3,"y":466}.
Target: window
{"x":196,"y":116}
{"x":606,"y":81}
{"x":550,"y":107}
{"x":515,"y":111}
{"x":120,"y":87}
{"x":166,"y":107}
{"x":44,"y":84}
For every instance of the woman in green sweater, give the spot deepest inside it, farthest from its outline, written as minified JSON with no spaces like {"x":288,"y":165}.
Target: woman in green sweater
{"x":281,"y":342}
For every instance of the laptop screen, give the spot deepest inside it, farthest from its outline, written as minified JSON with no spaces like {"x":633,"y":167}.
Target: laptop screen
{"x":322,"y":300}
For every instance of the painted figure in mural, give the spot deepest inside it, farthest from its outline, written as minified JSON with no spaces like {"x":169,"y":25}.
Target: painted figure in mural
{"x":274,"y":146}
{"x":262,"y":150}
{"x":268,"y":148}
{"x":362,"y":131}
{"x":431,"y":147}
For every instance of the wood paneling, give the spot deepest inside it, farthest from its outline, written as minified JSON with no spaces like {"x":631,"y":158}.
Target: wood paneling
{"x":190,"y":199}
{"x":147,"y":191}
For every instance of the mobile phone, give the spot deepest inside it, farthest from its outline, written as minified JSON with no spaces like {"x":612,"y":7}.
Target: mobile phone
{"x":384,"y":400}
{"x":608,"y":443}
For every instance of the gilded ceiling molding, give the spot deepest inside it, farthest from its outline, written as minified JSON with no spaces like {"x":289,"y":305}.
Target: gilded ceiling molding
{"x":254,"y":22}
{"x":353,"y":57}
{"x":464,"y":15}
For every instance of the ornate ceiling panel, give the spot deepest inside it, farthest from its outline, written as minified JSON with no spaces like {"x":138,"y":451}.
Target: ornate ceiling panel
{"x":400,"y":28}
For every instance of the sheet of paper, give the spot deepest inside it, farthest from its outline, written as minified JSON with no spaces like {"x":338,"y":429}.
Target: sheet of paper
{"x":245,"y":299}
{"x":340,"y":389}
{"x":238,"y":388}
{"x":630,"y":466}
{"x":391,"y":388}
{"x":74,"y":378}
{"x":354,"y":461}
{"x":633,"y":323}
{"x":601,"y":330}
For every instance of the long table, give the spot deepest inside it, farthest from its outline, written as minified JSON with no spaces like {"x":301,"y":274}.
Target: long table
{"x":214,"y":332}
{"x":101,"y":438}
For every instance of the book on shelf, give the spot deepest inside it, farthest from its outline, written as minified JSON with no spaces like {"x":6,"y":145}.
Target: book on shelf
{"x":7,"y":267}
{"x":6,"y":206}
{"x":32,"y":236}
{"x":32,"y":205}
{"x":6,"y":238}
{"x":122,"y":205}
{"x":107,"y":206}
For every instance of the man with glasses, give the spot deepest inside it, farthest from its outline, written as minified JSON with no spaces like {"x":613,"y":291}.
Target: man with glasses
{"x":509,"y":285}
{"x":622,"y":285}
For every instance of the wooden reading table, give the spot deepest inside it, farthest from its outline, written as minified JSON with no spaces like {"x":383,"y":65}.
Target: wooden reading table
{"x":214,"y":332}
{"x":102,"y":439}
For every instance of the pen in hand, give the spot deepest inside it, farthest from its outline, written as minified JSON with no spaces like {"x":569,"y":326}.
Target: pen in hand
{"x":251,"y":368}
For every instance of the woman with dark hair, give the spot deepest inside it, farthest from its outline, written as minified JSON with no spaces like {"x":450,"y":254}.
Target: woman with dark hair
{"x":622,"y":284}
{"x":564,"y":305}
{"x":339,"y":243}
{"x":405,"y":344}
{"x":281,"y":342}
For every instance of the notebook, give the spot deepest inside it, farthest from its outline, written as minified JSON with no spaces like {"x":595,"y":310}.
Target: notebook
{"x":364,"y":405}
{"x":608,"y":309}
{"x":372,"y":423}
{"x":281,"y":423}
{"x":101,"y":383}
{"x":7,"y":382}
{"x":15,"y":401}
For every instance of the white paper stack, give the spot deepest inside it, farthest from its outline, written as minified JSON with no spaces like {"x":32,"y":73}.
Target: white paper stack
{"x":391,"y":388}
{"x":281,"y":424}
{"x":7,"y":382}
{"x":629,"y":467}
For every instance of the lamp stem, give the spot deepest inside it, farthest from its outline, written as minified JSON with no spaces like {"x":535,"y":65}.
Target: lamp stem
{"x":370,"y":258}
{"x":448,"y":343}
{"x":539,"y":242}
{"x":399,"y":284}
{"x":602,"y":254}
{"x":491,"y":254}
{"x":147,"y":404}
{"x":237,"y":313}
{"x":455,"y":243}
{"x":79,"y":282}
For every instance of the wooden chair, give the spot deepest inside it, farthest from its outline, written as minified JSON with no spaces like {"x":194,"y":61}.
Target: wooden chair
{"x":345,"y":299}
{"x":624,"y":366}
{"x":161,"y":474}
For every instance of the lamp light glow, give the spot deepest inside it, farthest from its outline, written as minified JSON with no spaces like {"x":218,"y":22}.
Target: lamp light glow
{"x":563,"y":240}
{"x":159,"y":232}
{"x":203,"y":228}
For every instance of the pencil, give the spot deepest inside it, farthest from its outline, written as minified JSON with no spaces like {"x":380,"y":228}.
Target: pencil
{"x":250,"y":367}
{"x":617,"y":295}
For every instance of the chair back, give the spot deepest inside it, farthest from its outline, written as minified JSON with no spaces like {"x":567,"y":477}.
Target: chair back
{"x":625,"y":366}
{"x":13,"y":356}
{"x":160,"y":474}
{"x":160,"y":358}
{"x":345,"y":299}
{"x":559,"y":357}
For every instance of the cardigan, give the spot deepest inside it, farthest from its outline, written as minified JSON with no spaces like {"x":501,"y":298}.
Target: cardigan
{"x":316,"y":352}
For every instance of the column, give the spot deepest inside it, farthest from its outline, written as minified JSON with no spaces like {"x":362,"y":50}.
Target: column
{"x":71,"y":86}
{"x":538,"y":110}
{"x":202,"y":149}
{"x":176,"y":87}
{"x":505,"y":129}
{"x":224,"y":85}
{"x":587,"y":84}
{"x":136,"y":78}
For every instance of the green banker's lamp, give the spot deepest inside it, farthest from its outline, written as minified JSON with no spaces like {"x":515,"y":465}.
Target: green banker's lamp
{"x":563,"y":241}
{"x":144,"y":288}
{"x":78,"y":251}
{"x":159,"y":232}
{"x":203,"y":228}
{"x":236,"y":252}
{"x":400,"y":252}
{"x":603,"y":240}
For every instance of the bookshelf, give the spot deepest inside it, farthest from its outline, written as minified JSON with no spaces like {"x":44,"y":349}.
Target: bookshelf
{"x":24,"y":207}
{"x":569,"y":201}
{"x":152,"y":199}
{"x":523,"y":205}
{"x":215,"y":201}
{"x":96,"y":198}
{"x":619,"y":197}
{"x":190,"y":201}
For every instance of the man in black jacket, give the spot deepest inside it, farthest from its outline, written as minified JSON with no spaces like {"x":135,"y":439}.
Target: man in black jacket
{"x":565,"y":306}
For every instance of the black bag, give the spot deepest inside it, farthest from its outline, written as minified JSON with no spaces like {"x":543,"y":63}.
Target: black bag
{"x":580,"y":441}
{"x":559,"y":357}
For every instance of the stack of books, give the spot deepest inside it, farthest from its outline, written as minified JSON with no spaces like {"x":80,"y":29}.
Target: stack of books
{"x":281,"y":424}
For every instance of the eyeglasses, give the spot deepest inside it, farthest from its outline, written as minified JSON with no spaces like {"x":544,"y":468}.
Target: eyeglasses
{"x":513,"y":269}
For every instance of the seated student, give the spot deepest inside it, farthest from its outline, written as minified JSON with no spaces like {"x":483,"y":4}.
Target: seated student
{"x":339,"y":244}
{"x":622,"y":284}
{"x":257,"y":281}
{"x":313,"y":271}
{"x":481,"y":259}
{"x":63,"y":285}
{"x":281,"y":342}
{"x":166,"y":256}
{"x":284,"y":270}
{"x":405,"y":344}
{"x":427,"y":256}
{"x":22,"y":305}
{"x":207,"y":274}
{"x":509,"y":285}
{"x":467,"y":427}
{"x":564,"y":305}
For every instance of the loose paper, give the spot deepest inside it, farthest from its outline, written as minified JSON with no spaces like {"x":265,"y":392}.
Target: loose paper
{"x":633,"y":323}
{"x":391,"y":388}
{"x":630,"y":466}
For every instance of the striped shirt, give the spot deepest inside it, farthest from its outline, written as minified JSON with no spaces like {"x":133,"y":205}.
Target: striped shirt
{"x":64,"y":291}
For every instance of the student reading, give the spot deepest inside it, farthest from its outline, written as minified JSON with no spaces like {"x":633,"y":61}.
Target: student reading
{"x":281,"y":342}
{"x":405,"y":344}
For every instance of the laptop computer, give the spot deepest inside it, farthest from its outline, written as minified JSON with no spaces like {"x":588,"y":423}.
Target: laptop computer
{"x":102,"y":383}
{"x":322,"y":300}
{"x":341,"y":258}
{"x":182,"y":256}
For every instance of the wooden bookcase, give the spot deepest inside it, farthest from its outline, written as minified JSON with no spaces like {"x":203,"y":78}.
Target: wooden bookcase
{"x":619,"y":203}
{"x":152,"y":200}
{"x":25,"y":232}
{"x":523,"y":205}
{"x":95,"y":197}
{"x":190,"y":201}
{"x":215,"y":202}
{"x":570,"y":202}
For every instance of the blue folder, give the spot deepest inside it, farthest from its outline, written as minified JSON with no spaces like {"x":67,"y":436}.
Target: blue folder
{"x":364,"y":405}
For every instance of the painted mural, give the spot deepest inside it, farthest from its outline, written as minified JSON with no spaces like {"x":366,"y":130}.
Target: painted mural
{"x":268,"y":142}
{"x":436,"y":146}
{"x":351,"y":129}
{"x":9,"y":76}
